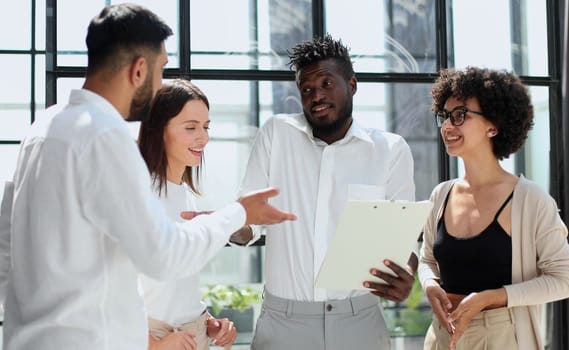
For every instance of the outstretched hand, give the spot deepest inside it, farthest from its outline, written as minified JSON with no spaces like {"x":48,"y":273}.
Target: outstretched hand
{"x":259,"y":211}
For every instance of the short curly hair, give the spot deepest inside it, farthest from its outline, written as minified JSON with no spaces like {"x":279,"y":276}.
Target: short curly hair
{"x":319,"y":49}
{"x":503,"y":98}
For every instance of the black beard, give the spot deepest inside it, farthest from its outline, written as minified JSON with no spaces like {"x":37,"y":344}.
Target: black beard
{"x":141,"y":102}
{"x":344,"y":117}
{"x":139,"y":111}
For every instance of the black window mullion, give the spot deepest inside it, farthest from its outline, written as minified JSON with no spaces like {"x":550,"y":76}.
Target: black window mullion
{"x":50,"y":52}
{"x":185,"y":39}
{"x":318,"y":18}
{"x":442,"y":62}
{"x":254,"y":64}
{"x":558,"y":320}
{"x":33,"y":64}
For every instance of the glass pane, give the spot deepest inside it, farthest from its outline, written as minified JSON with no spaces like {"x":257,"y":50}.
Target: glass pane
{"x":15,"y":26}
{"x":15,"y":119}
{"x":538,"y":144}
{"x":535,"y":51}
{"x":73,"y":18}
{"x":40,"y":82}
{"x":469,"y":48}
{"x":250,"y":37}
{"x":64,"y":87}
{"x":398,"y":36}
{"x":16,"y":70}
{"x":14,"y":97}
{"x":518,"y":40}
{"x":405,"y":110}
{"x":40,"y":24}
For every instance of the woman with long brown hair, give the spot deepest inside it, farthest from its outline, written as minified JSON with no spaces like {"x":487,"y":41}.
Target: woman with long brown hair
{"x":172,"y":142}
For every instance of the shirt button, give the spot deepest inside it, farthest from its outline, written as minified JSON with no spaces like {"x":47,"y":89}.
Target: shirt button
{"x":329,"y":307}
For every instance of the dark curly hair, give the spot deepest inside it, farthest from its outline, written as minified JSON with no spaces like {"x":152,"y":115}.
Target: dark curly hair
{"x":503,"y":98}
{"x":319,"y":49}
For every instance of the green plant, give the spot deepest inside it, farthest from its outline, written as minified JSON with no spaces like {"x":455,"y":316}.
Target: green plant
{"x":219,"y":297}
{"x":410,"y":318}
{"x":416,"y":294}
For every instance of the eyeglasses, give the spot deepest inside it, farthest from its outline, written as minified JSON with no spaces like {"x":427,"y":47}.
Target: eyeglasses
{"x":457,"y":116}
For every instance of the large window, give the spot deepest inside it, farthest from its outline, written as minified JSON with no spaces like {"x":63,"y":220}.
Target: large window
{"x":235,"y":50}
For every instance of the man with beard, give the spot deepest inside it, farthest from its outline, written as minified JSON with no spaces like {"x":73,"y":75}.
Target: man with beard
{"x":322,"y":158}
{"x":80,"y":214}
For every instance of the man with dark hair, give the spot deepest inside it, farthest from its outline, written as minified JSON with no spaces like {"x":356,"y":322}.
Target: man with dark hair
{"x":323,"y":157}
{"x":80,"y":217}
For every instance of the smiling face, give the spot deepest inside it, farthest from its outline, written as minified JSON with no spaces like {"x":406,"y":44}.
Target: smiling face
{"x":472,"y":138}
{"x":185,"y":137}
{"x":326,"y":99}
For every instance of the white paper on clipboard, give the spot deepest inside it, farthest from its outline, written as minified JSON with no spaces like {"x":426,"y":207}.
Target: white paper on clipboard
{"x":367,"y":233}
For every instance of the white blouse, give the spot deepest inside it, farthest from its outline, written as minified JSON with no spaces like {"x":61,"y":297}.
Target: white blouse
{"x":177,"y":301}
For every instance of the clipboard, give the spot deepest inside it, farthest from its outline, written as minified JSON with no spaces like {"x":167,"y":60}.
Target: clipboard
{"x":367,"y":233}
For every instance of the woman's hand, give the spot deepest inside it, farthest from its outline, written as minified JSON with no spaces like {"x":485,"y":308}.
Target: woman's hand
{"x":440,"y":303}
{"x":222,"y":331}
{"x":471,"y":306}
{"x":463,"y":314}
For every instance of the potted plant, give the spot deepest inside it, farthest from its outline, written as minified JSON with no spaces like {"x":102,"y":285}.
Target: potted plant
{"x":234,"y":302}
{"x":411,"y":318}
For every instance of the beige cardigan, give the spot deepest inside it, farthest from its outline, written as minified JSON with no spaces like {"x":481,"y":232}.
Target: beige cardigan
{"x":540,"y":256}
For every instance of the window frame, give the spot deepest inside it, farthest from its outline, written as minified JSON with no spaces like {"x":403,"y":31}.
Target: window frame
{"x":559,"y":189}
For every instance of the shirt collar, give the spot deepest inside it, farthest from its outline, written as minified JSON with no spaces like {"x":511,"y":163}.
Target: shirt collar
{"x":84,"y":96}
{"x":299,"y":122}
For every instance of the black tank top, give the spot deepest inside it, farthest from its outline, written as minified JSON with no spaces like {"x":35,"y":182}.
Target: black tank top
{"x":477,"y":263}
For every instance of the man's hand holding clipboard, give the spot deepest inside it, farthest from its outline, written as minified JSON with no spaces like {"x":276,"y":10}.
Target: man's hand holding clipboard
{"x":369,"y":234}
{"x":395,"y":288}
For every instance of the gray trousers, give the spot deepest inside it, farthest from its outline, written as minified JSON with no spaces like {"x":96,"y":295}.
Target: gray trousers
{"x":353,"y":323}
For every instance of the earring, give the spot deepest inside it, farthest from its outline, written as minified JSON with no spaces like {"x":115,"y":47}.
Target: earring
{"x":491,"y":133}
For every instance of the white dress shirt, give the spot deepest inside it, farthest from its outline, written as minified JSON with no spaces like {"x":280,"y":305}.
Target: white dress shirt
{"x":84,"y":224}
{"x":316,"y":181}
{"x":177,"y":301}
{"x":5,"y":217}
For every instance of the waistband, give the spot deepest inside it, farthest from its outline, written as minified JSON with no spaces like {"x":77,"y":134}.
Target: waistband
{"x":488,"y":318}
{"x":161,"y":326}
{"x":493,"y":317}
{"x":330,"y":307}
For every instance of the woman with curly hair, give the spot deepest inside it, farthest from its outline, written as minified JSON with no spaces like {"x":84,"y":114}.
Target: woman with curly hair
{"x":495,"y":249}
